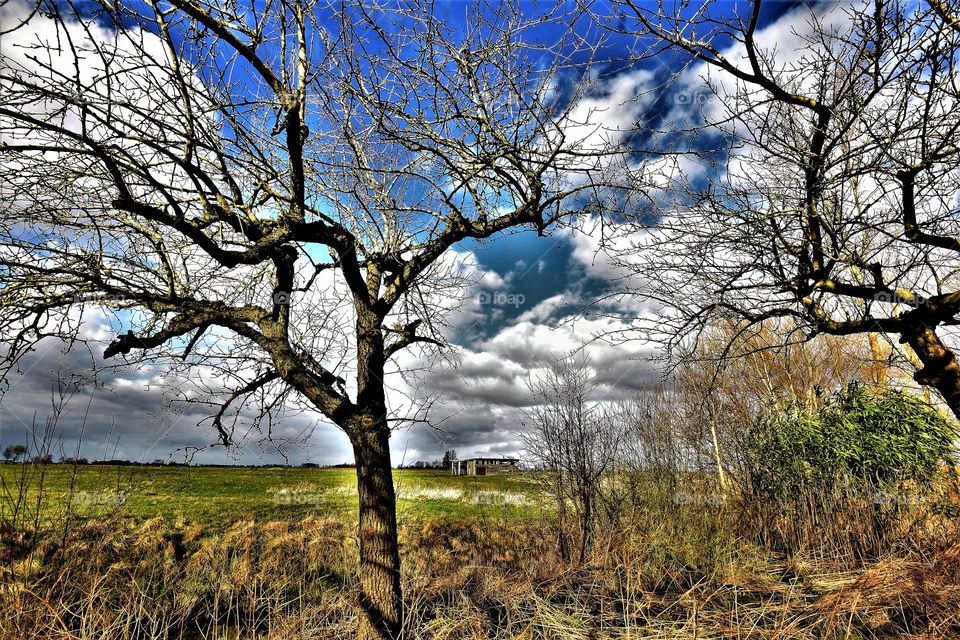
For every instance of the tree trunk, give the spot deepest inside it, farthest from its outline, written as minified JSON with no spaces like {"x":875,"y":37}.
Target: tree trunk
{"x":712,"y":411}
{"x":940,"y":368}
{"x":380,"y":596}
{"x":586,"y":524}
{"x":561,"y":498}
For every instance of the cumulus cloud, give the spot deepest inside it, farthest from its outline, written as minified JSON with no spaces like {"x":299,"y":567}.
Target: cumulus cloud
{"x":702,"y":90}
{"x":601,"y":119}
{"x":485,"y":393}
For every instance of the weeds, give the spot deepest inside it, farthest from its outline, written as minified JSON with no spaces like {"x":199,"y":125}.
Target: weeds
{"x":474,"y":579}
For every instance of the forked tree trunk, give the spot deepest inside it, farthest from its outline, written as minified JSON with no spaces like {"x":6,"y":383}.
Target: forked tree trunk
{"x":379,"y":573}
{"x":940,"y":367}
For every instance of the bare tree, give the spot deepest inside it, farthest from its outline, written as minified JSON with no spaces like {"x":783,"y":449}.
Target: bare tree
{"x":834,"y":207}
{"x":14,"y":452}
{"x":262,"y":198}
{"x":576,"y":440}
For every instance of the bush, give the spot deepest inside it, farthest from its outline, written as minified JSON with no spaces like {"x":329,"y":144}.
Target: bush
{"x":805,"y":465}
{"x":879,"y":438}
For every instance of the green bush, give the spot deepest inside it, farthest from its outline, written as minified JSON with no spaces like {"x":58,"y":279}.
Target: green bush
{"x":874,"y":440}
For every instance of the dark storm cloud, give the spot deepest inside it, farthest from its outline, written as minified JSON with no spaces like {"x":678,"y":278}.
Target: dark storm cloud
{"x":469,"y":429}
{"x":485,"y":396}
{"x":115,"y":418}
{"x":481,"y":410}
{"x":623,"y":374}
{"x":495,"y":389}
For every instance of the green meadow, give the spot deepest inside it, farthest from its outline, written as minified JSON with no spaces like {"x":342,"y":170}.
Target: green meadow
{"x":222,"y":495}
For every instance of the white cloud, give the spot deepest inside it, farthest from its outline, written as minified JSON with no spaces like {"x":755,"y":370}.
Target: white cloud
{"x":788,"y":41}
{"x":600,"y":120}
{"x":545,"y":309}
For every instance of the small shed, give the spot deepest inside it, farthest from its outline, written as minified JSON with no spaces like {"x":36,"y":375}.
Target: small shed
{"x":483,"y":466}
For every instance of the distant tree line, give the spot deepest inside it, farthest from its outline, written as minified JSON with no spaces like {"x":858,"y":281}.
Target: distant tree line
{"x":20,"y":453}
{"x":425,"y":464}
{"x":448,"y":457}
{"x":14,"y":452}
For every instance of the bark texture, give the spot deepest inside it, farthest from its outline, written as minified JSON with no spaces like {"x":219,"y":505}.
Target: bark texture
{"x":379,"y":553}
{"x":940,"y":368}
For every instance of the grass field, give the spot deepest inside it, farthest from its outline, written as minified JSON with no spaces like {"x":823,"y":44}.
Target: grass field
{"x":222,"y":495}
{"x":269,"y":553}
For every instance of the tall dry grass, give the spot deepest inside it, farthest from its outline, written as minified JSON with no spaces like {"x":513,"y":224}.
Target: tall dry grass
{"x":670,"y":570}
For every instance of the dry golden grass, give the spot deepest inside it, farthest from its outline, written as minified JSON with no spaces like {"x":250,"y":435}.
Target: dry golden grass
{"x":468,"y":579}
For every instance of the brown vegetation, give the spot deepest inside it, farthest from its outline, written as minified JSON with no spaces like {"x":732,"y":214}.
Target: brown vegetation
{"x":671,"y":570}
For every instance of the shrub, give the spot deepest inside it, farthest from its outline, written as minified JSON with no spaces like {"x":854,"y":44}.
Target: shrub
{"x":881,"y":438}
{"x":807,"y":465}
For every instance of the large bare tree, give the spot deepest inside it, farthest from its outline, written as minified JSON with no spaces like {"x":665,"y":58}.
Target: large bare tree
{"x":267,"y":194}
{"x":834,"y":207}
